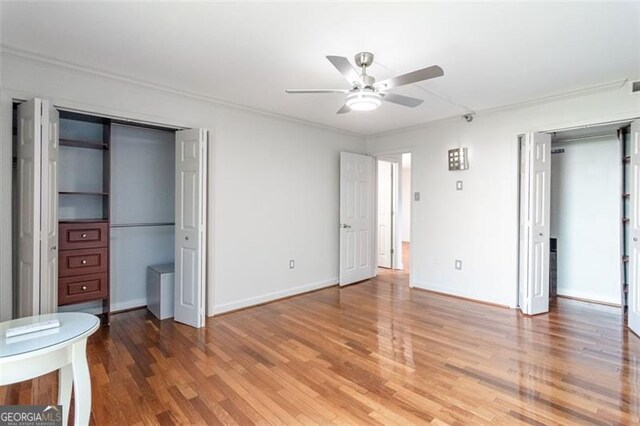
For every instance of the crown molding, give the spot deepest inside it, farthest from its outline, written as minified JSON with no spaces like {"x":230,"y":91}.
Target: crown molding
{"x":69,"y":66}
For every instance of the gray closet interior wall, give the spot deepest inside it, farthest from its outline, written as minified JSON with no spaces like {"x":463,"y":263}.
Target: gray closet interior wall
{"x":142,"y":209}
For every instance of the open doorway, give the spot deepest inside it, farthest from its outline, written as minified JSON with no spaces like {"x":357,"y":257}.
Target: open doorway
{"x":588,"y":220}
{"x":394,"y":212}
{"x":577,"y":216}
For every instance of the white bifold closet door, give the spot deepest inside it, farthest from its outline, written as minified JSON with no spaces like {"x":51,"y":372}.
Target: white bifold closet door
{"x":535,"y":199}
{"x":191,"y":231}
{"x":634,"y":230}
{"x":37,"y":152}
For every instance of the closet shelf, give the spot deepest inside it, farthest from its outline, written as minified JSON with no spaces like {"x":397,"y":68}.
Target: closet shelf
{"x":83,"y":144}
{"x":81,"y":193}
{"x":86,"y":220}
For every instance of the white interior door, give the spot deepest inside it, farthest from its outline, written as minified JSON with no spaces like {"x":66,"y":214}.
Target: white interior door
{"x":191,"y":204}
{"x":29,"y":181}
{"x":385,"y":220}
{"x":357,"y":185}
{"x":534,"y":223}
{"x":634,"y":230}
{"x":49,"y":213}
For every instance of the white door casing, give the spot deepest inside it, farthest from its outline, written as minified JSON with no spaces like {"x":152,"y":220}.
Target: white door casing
{"x":396,"y":214}
{"x":191,"y":205}
{"x":522,"y":215}
{"x":357,"y":185}
{"x":534,"y":223}
{"x":29,"y":181}
{"x":385,"y":221}
{"x":634,"y":230}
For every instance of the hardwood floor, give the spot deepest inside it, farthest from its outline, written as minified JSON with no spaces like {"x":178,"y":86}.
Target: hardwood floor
{"x":374,"y":353}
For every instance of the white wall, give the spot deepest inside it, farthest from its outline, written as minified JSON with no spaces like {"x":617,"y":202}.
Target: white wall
{"x":586,"y":184}
{"x":275,"y":181}
{"x":406,"y":197}
{"x":479,"y":225}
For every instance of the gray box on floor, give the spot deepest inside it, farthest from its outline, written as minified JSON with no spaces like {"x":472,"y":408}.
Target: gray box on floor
{"x":160,"y":296}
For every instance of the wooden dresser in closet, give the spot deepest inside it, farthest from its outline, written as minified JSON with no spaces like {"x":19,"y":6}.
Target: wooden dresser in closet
{"x":83,"y":262}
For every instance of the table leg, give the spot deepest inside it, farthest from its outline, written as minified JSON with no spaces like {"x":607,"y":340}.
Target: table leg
{"x":81,"y":384}
{"x":65,"y":384}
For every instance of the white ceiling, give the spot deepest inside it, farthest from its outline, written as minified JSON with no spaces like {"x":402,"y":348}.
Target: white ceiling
{"x":493,"y":54}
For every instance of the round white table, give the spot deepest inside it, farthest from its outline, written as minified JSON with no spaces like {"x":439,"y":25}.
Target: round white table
{"x":64,"y":349}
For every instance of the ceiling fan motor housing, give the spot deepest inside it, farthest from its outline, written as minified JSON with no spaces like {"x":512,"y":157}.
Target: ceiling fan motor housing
{"x":364,"y":59}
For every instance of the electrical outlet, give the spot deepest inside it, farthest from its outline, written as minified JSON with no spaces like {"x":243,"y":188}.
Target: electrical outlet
{"x":292,"y":264}
{"x":459,"y":265}
{"x":459,"y":185}
{"x":416,"y":196}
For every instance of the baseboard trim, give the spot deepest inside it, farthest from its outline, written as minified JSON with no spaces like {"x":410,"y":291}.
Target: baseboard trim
{"x":431,"y":289}
{"x":597,"y":302}
{"x":122,"y":311}
{"x":273,"y":297}
{"x":129,"y":305}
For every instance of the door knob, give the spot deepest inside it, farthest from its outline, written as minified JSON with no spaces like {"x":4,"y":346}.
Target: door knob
{"x":83,"y":261}
{"x":345,"y":226}
{"x":84,"y":287}
{"x":635,"y":238}
{"x":84,"y":235}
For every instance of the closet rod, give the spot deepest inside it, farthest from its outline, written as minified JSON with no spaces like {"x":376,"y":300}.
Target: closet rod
{"x":137,"y":225}
{"x":580,"y":138}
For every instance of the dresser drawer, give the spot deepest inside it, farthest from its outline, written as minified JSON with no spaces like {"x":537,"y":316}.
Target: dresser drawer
{"x":82,"y":289}
{"x":82,"y":262}
{"x":81,"y":235}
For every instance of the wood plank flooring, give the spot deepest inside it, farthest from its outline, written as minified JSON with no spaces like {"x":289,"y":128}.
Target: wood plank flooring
{"x":371,"y":353}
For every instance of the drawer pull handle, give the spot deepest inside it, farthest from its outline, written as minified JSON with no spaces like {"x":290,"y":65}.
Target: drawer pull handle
{"x":84,"y":235}
{"x":83,"y":261}
{"x":84,"y":287}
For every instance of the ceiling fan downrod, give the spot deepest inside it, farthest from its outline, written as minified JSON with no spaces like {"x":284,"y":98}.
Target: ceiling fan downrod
{"x":364,"y":60}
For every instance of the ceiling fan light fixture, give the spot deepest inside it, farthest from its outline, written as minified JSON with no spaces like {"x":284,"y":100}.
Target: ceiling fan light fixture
{"x":363,"y":101}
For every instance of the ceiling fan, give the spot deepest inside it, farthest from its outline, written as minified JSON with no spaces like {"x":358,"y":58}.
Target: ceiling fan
{"x":366,"y":94}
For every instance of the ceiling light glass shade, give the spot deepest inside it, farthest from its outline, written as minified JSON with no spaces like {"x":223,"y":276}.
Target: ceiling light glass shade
{"x":363,"y":101}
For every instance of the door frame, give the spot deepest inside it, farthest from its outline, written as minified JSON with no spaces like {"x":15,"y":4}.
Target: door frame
{"x":7,"y":98}
{"x":517,"y":138}
{"x":396,"y":188}
{"x":384,"y":156}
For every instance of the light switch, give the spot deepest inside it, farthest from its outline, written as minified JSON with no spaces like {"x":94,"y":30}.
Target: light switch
{"x":416,"y":196}
{"x":459,"y":185}
{"x":459,"y":265}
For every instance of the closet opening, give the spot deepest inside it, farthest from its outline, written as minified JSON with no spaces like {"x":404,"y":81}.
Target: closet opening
{"x":393,"y":211}
{"x":589,"y":214}
{"x":114,"y":185}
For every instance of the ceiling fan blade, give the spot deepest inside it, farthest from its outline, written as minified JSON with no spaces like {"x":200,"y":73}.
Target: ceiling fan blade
{"x":345,"y":68}
{"x":410,"y":77}
{"x":345,"y":109}
{"x":295,"y":91}
{"x":407,"y":101}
